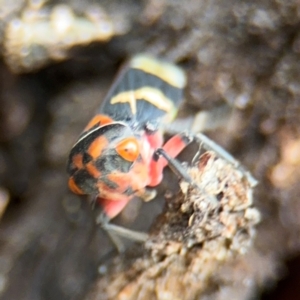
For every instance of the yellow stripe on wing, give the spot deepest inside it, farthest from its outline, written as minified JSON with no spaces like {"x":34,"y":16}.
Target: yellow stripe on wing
{"x":149,"y":94}
{"x":167,"y":72}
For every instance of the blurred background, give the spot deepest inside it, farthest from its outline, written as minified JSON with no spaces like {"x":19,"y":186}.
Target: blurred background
{"x":58,"y":61}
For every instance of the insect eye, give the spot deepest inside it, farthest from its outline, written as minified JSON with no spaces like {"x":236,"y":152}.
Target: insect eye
{"x":128,"y":149}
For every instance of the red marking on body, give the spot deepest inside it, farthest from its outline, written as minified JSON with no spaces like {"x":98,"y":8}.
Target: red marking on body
{"x":109,"y":193}
{"x":112,"y":208}
{"x":97,"y":146}
{"x":98,"y":120}
{"x":173,"y":147}
{"x":137,"y":178}
{"x":74,"y":188}
{"x":155,"y":139}
{"x":145,"y":173}
{"x":77,"y":161}
{"x":93,"y":171}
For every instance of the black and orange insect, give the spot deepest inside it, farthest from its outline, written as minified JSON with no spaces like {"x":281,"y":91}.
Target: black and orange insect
{"x":121,"y":151}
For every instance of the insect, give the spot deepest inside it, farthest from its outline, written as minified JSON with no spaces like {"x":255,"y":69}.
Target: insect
{"x":120,"y":153}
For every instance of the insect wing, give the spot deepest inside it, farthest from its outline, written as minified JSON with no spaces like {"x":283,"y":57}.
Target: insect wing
{"x":145,"y":92}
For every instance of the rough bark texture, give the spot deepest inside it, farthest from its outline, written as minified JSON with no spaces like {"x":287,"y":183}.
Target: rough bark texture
{"x":206,"y":228}
{"x":244,"y":53}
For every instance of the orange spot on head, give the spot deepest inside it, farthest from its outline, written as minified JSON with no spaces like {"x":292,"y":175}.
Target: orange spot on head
{"x":74,"y":188}
{"x":128,"y":149}
{"x":98,"y":120}
{"x":97,"y":146}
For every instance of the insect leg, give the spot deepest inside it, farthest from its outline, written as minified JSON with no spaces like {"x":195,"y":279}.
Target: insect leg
{"x":207,"y":144}
{"x":126,"y":233}
{"x":165,"y":155}
{"x":114,"y":231}
{"x":103,"y":220}
{"x":204,"y":120}
{"x":179,"y":170}
{"x":174,"y":165}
